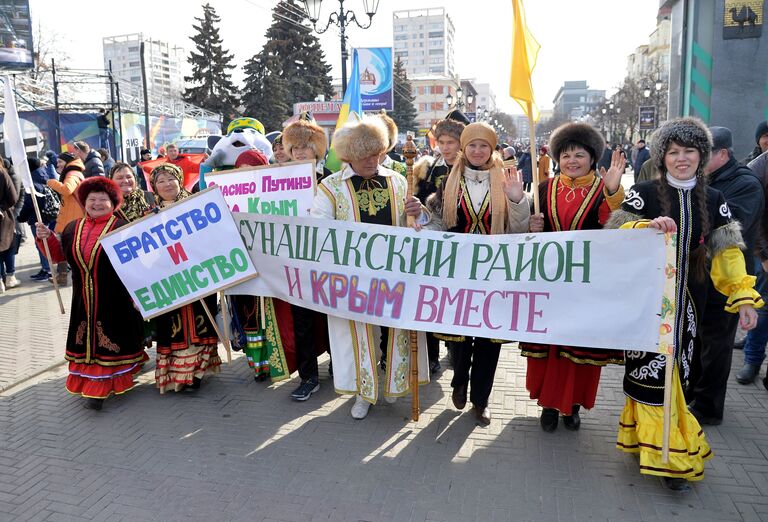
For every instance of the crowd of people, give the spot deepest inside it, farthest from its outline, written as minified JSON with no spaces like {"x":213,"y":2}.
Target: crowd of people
{"x":687,"y":181}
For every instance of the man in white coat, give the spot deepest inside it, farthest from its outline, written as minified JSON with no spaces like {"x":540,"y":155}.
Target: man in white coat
{"x":366,"y":192}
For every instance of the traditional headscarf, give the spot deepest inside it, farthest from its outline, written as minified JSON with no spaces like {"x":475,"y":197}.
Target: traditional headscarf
{"x":169,"y":168}
{"x":135,"y":204}
{"x":499,"y":201}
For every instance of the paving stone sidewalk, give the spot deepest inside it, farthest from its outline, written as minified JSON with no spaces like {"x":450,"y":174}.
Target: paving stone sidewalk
{"x":240,"y":450}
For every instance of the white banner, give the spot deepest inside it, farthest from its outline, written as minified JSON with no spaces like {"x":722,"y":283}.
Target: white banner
{"x":598,"y":289}
{"x":188,"y":250}
{"x":281,"y":190}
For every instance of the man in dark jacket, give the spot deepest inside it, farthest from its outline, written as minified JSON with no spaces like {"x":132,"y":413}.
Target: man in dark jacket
{"x":90,"y":158}
{"x":712,"y":363}
{"x":641,"y":157}
{"x":761,"y":139}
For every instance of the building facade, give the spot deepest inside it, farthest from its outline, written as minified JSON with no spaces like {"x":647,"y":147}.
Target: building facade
{"x":430,"y":99}
{"x":423,"y":40}
{"x":650,"y":62}
{"x":717,"y":67}
{"x":575,"y":99}
{"x":164,"y":62}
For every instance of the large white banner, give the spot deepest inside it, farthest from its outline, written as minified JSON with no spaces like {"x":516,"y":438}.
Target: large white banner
{"x":282,"y":190}
{"x":188,"y":250}
{"x":599,"y":289}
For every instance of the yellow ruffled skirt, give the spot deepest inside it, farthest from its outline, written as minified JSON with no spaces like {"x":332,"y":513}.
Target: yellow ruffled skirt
{"x":641,"y":429}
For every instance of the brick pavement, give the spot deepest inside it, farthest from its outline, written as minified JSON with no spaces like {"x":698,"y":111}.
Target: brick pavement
{"x":33,"y":329}
{"x":241,"y":450}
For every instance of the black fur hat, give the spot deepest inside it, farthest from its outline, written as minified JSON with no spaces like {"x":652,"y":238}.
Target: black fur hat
{"x":690,"y":132}
{"x":581,"y":133}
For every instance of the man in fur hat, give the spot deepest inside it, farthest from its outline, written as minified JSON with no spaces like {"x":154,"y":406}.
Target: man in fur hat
{"x":367,"y":192}
{"x":303,"y":140}
{"x":430,"y":174}
{"x":386,"y":158}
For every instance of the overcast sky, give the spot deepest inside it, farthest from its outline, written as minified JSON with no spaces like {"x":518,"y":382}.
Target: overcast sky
{"x":580,"y":40}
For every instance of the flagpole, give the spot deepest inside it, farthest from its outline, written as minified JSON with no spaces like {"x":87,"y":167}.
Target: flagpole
{"x":19,"y":156}
{"x":534,"y":161}
{"x":409,"y":151}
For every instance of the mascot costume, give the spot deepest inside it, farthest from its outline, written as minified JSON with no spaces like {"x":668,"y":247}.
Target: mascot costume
{"x":269,"y":348}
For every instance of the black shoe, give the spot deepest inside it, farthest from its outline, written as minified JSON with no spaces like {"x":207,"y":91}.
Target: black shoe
{"x":548,"y":419}
{"x":677,"y":484}
{"x":42,"y":275}
{"x":305,"y":389}
{"x":459,"y":396}
{"x":765,"y":382}
{"x":261,"y":377}
{"x":434,"y":366}
{"x":747,"y":374}
{"x":704,"y":419}
{"x":573,"y":421}
{"x":196,"y":382}
{"x":330,"y":368}
{"x":93,"y":404}
{"x":739,"y":345}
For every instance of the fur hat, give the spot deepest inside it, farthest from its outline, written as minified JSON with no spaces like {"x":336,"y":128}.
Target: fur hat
{"x":67,"y":157}
{"x":391,"y":129}
{"x":305,"y":133}
{"x":100,"y":184}
{"x":361,"y":139}
{"x":478,"y":131}
{"x":580,"y":133}
{"x":453,"y":125}
{"x":690,"y":132}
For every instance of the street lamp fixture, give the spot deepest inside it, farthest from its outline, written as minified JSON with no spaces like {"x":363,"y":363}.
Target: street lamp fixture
{"x":449,"y":99}
{"x":647,"y":92}
{"x":342,"y":18}
{"x":659,"y":85}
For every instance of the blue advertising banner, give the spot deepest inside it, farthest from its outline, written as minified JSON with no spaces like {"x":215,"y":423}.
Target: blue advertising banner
{"x":376,"y":90}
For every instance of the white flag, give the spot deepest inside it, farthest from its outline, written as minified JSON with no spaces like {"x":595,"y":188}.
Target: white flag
{"x":14,"y":141}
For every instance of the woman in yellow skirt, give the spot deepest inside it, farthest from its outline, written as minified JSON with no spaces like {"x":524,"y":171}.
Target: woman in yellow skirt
{"x":680,"y":201}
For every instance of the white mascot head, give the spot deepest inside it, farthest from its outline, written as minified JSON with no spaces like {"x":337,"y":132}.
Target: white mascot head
{"x":243,"y":134}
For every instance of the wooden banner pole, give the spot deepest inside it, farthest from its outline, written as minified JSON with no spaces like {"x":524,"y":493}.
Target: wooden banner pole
{"x":216,"y":329}
{"x":51,"y":264}
{"x":409,"y":151}
{"x":225,"y":318}
{"x":668,"y":396}
{"x":534,"y":161}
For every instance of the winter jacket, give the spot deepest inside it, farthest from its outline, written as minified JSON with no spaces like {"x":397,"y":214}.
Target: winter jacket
{"x":39,"y":180}
{"x":108,"y":164}
{"x":642,"y":156}
{"x":759,"y":167}
{"x":524,"y":164}
{"x":72,"y":176}
{"x":744,"y":194}
{"x":93,"y":165}
{"x":8,"y":199}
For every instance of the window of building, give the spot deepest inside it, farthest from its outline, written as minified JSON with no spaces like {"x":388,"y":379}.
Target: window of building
{"x":435,"y":60}
{"x":435,"y":69}
{"x":133,"y":49}
{"x":134,"y":64}
{"x":401,"y":54}
{"x":437,"y":89}
{"x":422,"y":107}
{"x":401,"y":37}
{"x":435,"y":51}
{"x":436,"y":34}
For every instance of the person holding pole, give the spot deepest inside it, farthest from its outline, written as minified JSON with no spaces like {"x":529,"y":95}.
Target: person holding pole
{"x":479,"y":196}
{"x":680,"y":201}
{"x":104,"y":340}
{"x":366,"y":192}
{"x":186,"y":337}
{"x":565,"y":378}
{"x":70,"y":176}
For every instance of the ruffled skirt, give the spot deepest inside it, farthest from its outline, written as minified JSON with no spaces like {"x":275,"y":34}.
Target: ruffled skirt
{"x":641,"y":429}
{"x":177,"y":369}
{"x":559,"y":383}
{"x":94,"y":381}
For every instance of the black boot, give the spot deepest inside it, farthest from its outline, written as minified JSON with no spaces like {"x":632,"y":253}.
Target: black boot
{"x":93,"y":404}
{"x":677,"y":484}
{"x":573,"y":421}
{"x":548,"y":419}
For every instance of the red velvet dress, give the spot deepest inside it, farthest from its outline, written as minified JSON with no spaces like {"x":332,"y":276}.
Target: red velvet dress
{"x":560,"y":377}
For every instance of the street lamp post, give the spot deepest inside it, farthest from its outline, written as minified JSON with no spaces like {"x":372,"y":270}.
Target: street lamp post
{"x":342,"y":18}
{"x":459,"y":99}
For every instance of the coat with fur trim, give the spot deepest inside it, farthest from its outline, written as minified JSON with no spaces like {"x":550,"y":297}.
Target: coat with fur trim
{"x":430,"y":174}
{"x":644,"y":375}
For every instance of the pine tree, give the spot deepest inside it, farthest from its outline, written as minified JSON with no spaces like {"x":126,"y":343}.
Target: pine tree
{"x":405,"y":112}
{"x":290,"y":68}
{"x":211,"y":79}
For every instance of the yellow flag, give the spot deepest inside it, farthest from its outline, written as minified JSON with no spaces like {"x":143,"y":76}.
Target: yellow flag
{"x":525,"y":49}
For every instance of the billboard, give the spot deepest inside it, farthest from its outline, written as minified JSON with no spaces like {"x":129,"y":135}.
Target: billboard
{"x":647,"y":117}
{"x":376,"y":88}
{"x":15,"y":35}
